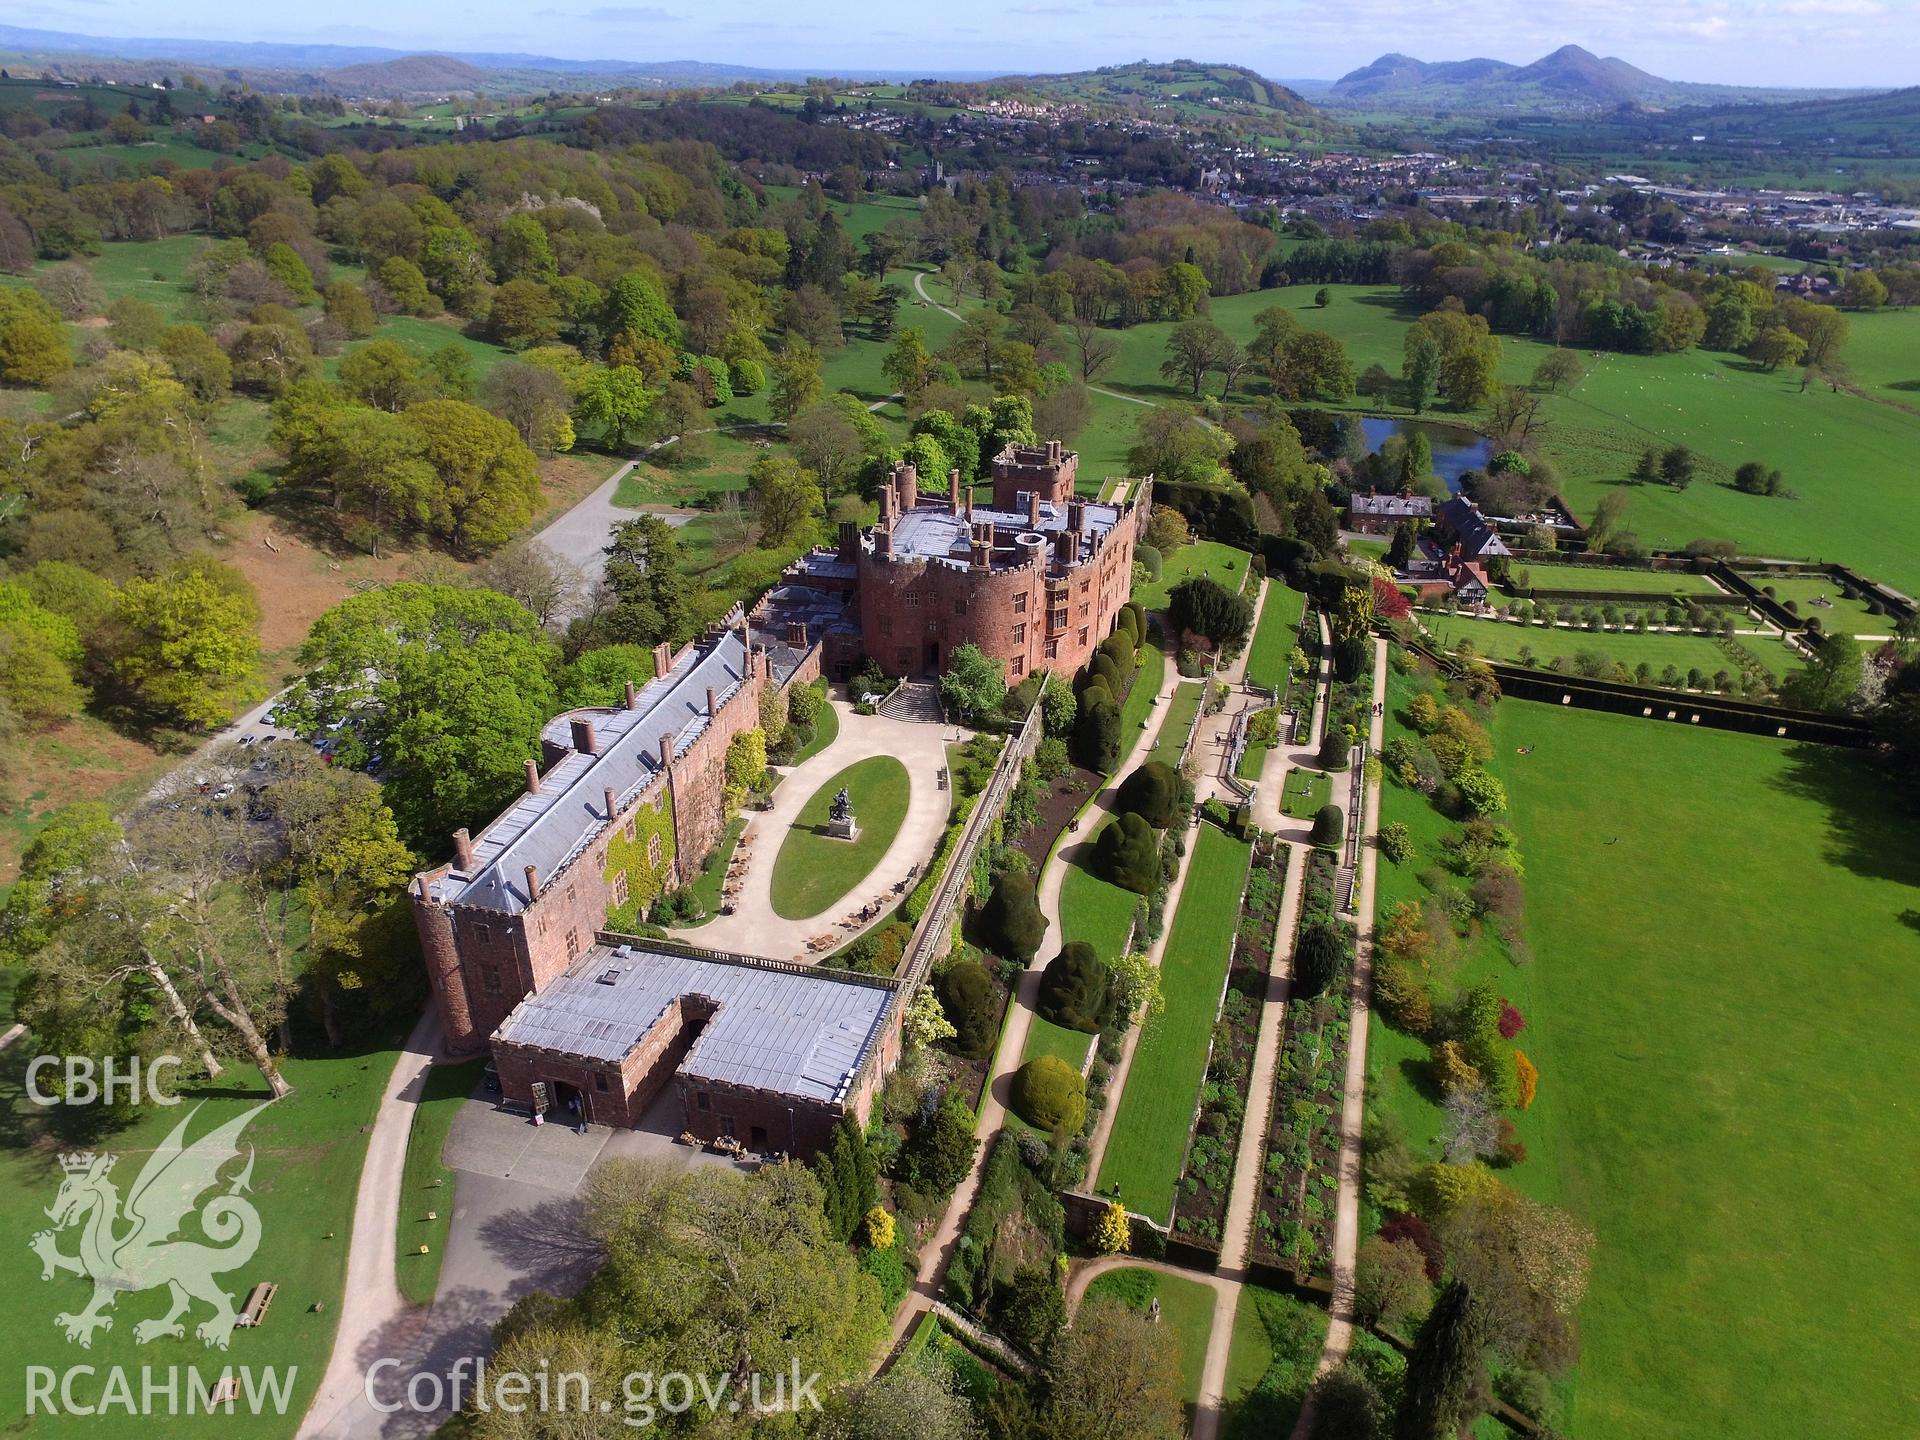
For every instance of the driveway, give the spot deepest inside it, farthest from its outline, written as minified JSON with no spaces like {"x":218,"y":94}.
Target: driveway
{"x":753,"y":928}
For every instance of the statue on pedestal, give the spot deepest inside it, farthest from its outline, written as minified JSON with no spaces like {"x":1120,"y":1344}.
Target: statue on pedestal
{"x":840,"y":822}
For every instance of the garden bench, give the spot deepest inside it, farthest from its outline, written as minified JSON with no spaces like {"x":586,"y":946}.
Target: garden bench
{"x":258,"y":1300}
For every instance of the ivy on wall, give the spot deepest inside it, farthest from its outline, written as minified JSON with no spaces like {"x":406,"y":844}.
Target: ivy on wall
{"x":646,"y":878}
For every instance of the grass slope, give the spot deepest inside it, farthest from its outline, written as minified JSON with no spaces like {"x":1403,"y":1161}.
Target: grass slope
{"x":308,"y":1149}
{"x":426,"y":1185}
{"x":1728,"y":1072}
{"x":1503,"y":639}
{"x":1186,"y":1314}
{"x":1149,"y":1140}
{"x":1275,"y":636}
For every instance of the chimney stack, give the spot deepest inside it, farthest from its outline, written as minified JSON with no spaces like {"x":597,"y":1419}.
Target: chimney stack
{"x":463,"y":849}
{"x":849,"y":541}
{"x":533,"y":884}
{"x":533,"y":778}
{"x":666,"y":750}
{"x":1076,"y":516}
{"x":1053,"y":452}
{"x":797,"y":634}
{"x":607,"y":794}
{"x":662,"y":657}
{"x":1033,"y":509}
{"x":908,"y":480}
{"x":713,"y":707}
{"x":584,"y":740}
{"x":953,"y":490}
{"x":633,"y":696}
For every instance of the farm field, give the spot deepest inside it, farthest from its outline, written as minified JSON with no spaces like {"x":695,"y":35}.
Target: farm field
{"x":308,"y":1149}
{"x":1699,"y":1120}
{"x":1503,"y":640}
{"x":1149,"y":1140}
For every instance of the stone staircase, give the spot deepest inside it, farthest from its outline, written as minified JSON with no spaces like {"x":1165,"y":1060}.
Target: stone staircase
{"x":917,"y":700}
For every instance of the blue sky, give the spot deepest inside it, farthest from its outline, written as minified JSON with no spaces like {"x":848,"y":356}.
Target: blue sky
{"x":1808,"y":42}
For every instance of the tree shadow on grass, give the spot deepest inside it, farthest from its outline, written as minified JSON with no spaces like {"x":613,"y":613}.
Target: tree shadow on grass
{"x":1865,"y":833}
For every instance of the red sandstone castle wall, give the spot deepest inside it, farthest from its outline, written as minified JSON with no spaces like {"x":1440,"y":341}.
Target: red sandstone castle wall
{"x":905,"y":605}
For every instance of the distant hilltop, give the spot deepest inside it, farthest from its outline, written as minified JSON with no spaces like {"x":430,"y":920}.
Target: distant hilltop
{"x":1571,"y":78}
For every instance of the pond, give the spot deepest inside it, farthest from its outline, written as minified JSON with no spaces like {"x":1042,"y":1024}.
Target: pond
{"x":1456,"y":450}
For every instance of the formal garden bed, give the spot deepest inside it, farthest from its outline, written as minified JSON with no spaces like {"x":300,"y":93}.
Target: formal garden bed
{"x":1294,"y":1225}
{"x":1206,"y":1184}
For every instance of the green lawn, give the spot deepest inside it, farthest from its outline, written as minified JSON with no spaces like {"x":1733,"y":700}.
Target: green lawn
{"x":1138,"y":707}
{"x":1276,"y":1345}
{"x":1713,"y":1124}
{"x":307,"y":1151}
{"x":826,"y":729}
{"x":1698,"y":1107}
{"x":427,"y":1185}
{"x":1093,"y":910}
{"x":1177,"y":722}
{"x":1275,"y":636}
{"x":1149,"y":1140}
{"x":1253,"y":758}
{"x":1843,"y":616}
{"x":813,"y":870}
{"x":1306,"y":792}
{"x":706,"y":886}
{"x":721,"y":464}
{"x":1503,"y":639}
{"x":1590,"y":577}
{"x":1186,"y":1314}
{"x":1208,"y":557}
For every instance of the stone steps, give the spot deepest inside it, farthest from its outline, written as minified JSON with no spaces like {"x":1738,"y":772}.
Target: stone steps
{"x":914,"y":700}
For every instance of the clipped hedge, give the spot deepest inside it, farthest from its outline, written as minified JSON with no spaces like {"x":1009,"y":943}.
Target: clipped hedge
{"x":1050,"y":1094}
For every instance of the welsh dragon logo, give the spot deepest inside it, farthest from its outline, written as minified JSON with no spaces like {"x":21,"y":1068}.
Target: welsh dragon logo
{"x":137,"y":1247}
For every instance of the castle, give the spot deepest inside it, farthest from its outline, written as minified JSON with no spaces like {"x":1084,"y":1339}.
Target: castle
{"x":523,"y":931}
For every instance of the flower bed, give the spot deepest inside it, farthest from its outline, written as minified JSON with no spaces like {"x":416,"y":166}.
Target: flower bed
{"x":1200,"y":1205}
{"x":1294,"y":1226}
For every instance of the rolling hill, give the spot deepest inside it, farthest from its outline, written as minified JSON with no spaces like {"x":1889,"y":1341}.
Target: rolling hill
{"x":1571,"y":78}
{"x":1188,"y":87}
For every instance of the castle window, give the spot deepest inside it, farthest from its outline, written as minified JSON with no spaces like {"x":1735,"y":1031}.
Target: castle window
{"x":1020,"y":634}
{"x":490,"y":980}
{"x":483,"y":934}
{"x":1019,"y":665}
{"x":1083,"y":635}
{"x":1020,"y":603}
{"x":653,"y":850}
{"x":1053,"y":649}
{"x":573,"y":943}
{"x":1083,"y":585}
{"x":886,"y":624}
{"x":700,"y":1099}
{"x":599,"y":1081}
{"x":570,"y":895}
{"x":619,"y":887}
{"x":1057,"y":619}
{"x":960,"y":606}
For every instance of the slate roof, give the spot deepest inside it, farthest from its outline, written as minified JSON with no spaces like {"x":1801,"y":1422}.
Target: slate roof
{"x":549,"y":829}
{"x":787,"y":1031}
{"x":934,"y":532}
{"x":1463,"y":522}
{"x":1392,"y":507}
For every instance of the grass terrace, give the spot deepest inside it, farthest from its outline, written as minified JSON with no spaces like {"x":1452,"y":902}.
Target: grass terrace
{"x":1182,"y":710}
{"x":1595,"y":577}
{"x":1504,"y":639}
{"x":1275,"y":636}
{"x":1306,"y":792}
{"x":813,"y":870}
{"x":1843,"y":616}
{"x":1149,"y":1140}
{"x":1201,"y":557}
{"x":1137,"y":710}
